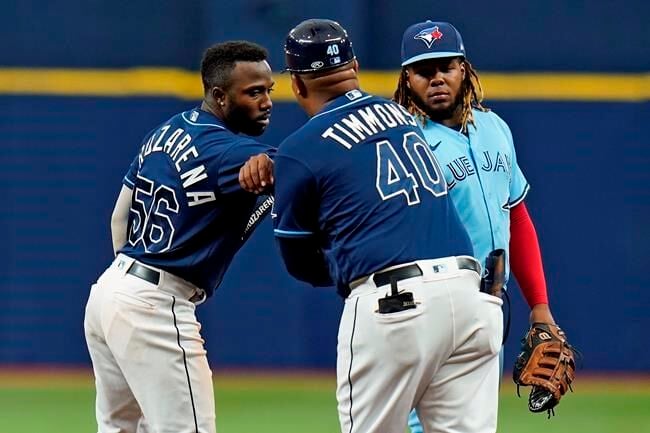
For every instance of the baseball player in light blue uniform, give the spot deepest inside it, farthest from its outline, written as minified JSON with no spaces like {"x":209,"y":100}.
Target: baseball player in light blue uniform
{"x":481,"y":170}
{"x":475,"y":149}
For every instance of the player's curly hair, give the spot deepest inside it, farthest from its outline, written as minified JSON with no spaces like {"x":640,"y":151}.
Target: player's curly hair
{"x":219,"y":61}
{"x":471,"y":93}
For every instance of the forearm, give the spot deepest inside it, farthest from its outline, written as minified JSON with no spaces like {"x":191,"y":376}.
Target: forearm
{"x":526,"y":258}
{"x":120,"y":218}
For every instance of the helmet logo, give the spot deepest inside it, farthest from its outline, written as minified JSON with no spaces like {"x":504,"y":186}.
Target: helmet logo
{"x":317,"y":64}
{"x":429,"y":36}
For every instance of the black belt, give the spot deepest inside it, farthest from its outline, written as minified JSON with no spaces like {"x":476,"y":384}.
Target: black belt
{"x":410,"y":271}
{"x":150,"y":275}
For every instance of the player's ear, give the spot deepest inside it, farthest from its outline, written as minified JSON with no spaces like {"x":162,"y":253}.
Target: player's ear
{"x":298,"y":86}
{"x":462,"y":68}
{"x":218,"y":95}
{"x":356,"y":66}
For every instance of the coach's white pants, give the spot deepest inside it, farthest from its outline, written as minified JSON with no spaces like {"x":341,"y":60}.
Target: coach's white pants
{"x":440,"y":358}
{"x":148,"y":355}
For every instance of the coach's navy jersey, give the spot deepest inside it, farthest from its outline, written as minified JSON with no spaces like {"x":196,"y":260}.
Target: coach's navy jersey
{"x":359,"y":178}
{"x":188,"y":213}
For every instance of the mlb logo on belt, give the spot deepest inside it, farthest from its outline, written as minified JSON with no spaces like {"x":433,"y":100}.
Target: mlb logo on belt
{"x":439,"y":268}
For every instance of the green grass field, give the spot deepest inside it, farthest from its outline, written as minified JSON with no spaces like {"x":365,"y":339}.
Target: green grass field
{"x":250,"y":403}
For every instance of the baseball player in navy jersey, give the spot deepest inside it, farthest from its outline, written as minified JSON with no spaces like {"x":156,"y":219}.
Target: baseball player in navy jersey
{"x":179,"y":219}
{"x":361,"y":203}
{"x":475,"y":148}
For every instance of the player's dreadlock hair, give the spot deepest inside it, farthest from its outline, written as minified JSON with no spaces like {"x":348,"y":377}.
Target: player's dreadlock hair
{"x":219,"y":61}
{"x":471,"y":94}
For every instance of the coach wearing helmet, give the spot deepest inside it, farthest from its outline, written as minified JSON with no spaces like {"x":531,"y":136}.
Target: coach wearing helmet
{"x":357,"y":189}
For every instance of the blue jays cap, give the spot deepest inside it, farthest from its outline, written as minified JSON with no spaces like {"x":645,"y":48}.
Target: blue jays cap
{"x":431,"y":40}
{"x":317,"y":45}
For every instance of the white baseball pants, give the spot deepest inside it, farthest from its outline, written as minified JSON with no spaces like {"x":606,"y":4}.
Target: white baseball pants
{"x":147,"y":354}
{"x":440,"y":358}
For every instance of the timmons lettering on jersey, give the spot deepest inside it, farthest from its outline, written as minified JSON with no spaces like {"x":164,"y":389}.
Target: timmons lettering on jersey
{"x":181,"y":156}
{"x":367,"y":122}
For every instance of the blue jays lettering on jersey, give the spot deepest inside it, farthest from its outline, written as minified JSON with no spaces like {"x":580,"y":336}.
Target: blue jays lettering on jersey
{"x":481,"y":168}
{"x":354,"y":178}
{"x":185,"y":193}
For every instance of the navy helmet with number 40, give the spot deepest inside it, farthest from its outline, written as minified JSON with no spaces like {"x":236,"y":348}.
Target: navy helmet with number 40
{"x":317,"y":45}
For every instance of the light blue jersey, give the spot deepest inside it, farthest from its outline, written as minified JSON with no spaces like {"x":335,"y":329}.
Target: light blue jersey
{"x":483,"y":178}
{"x":484,"y":181}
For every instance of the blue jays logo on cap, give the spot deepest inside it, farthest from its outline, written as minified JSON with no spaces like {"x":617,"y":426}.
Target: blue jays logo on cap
{"x":429,"y":36}
{"x":431,"y":40}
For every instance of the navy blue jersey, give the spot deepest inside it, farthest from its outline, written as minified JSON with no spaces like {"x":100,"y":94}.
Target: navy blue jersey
{"x":188,"y":213}
{"x":360,"y":180}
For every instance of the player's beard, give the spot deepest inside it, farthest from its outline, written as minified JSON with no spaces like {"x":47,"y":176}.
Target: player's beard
{"x":239,"y":120}
{"x":438,"y":114}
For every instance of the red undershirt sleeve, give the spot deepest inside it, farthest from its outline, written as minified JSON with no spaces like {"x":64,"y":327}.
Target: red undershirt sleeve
{"x":525,"y":257}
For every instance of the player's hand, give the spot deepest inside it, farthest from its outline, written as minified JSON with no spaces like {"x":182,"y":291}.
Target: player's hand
{"x":257,"y":174}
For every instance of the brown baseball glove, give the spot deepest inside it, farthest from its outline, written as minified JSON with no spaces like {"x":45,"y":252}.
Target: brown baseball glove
{"x":547,"y":362}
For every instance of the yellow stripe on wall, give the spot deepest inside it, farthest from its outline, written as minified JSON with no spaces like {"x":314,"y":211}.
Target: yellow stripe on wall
{"x":183,"y":84}
{"x":541,"y":86}
{"x":101,"y":82}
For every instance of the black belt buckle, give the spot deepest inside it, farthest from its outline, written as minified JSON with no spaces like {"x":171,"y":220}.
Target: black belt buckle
{"x":396,"y":302}
{"x":145,"y":273}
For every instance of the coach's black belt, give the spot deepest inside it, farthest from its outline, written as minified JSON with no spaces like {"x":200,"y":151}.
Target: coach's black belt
{"x":152,"y":276}
{"x":413,"y":270}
